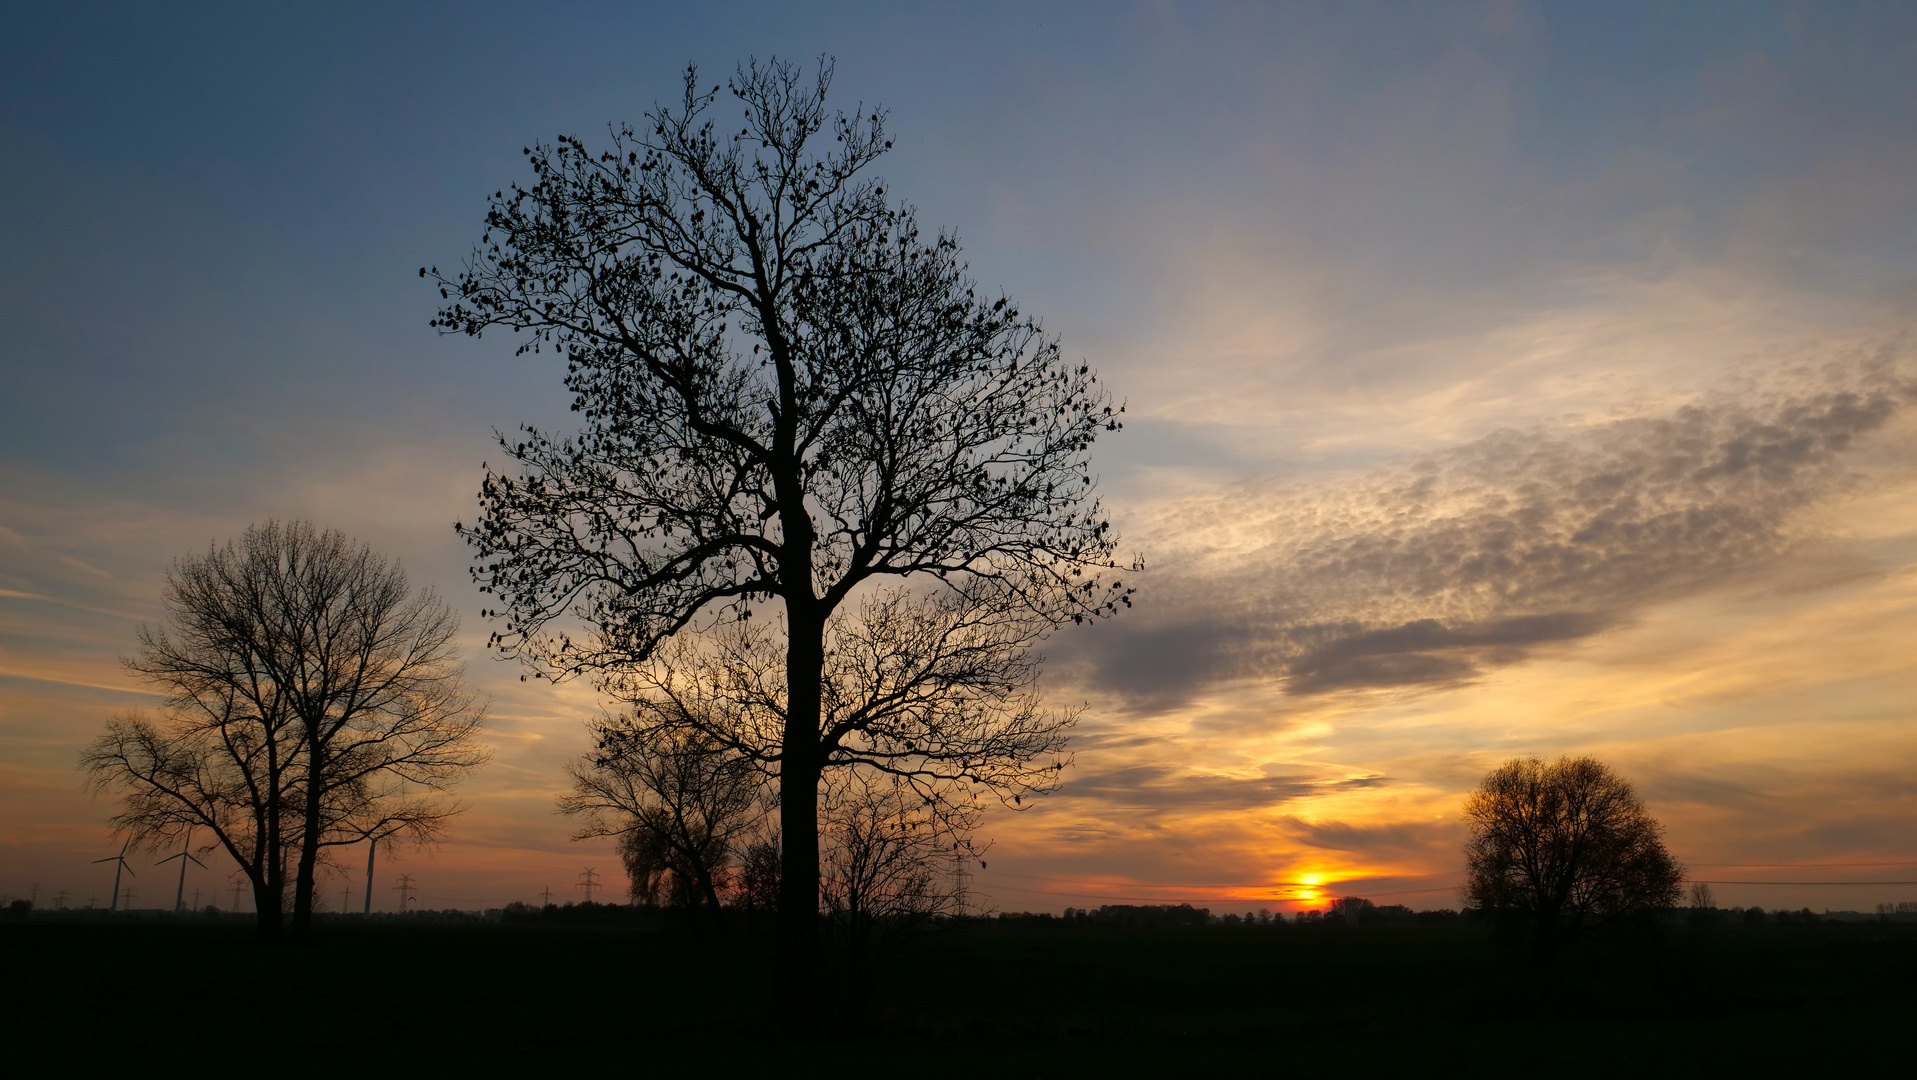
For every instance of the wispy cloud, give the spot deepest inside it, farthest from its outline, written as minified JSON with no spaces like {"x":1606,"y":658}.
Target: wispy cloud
{"x":1161,"y":787}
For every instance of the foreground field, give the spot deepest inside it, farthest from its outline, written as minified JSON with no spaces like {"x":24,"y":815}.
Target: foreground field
{"x":1055,"y":1003}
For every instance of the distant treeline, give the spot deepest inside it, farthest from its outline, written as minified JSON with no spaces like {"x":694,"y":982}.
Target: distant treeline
{"x":21,"y":909}
{"x":1350,"y":910}
{"x":1359,"y":911}
{"x":1345,"y":911}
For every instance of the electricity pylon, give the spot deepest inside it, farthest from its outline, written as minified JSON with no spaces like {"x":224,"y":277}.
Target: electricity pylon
{"x":587,"y":883}
{"x":405,"y":890}
{"x":185,"y":855}
{"x":121,"y":860}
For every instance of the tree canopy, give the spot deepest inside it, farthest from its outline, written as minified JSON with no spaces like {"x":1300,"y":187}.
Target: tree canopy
{"x":1565,"y":846}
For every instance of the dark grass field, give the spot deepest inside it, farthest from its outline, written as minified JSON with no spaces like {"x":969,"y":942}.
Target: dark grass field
{"x":1822,"y":999}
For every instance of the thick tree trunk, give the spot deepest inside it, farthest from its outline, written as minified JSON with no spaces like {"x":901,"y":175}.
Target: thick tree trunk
{"x":1544,"y":949}
{"x":858,"y":929}
{"x":799,"y":771}
{"x":267,"y":901}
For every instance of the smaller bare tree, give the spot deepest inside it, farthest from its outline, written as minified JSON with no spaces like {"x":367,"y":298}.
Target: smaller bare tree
{"x":1564,"y":848}
{"x":756,"y":886}
{"x":889,"y":857}
{"x":311,"y":700}
{"x":207,"y":762}
{"x":678,"y":801}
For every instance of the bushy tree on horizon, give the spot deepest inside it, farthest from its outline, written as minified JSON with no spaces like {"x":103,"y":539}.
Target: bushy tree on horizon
{"x":1564,"y":848}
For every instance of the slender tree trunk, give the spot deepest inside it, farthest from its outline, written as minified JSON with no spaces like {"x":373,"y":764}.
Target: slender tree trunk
{"x":710,"y":892}
{"x":799,"y":772}
{"x":269,"y":887}
{"x":309,"y":849}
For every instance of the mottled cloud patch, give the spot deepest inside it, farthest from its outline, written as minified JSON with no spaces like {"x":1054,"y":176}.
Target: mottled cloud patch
{"x":1430,"y":573}
{"x":1424,"y":651}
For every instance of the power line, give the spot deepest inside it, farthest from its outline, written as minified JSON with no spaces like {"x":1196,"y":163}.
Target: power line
{"x":1412,"y":892}
{"x":1086,"y":896}
{"x":1703,"y":882}
{"x":1796,"y":865}
{"x":1169,"y":885}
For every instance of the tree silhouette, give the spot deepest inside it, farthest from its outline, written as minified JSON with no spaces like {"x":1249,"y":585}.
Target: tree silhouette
{"x":788,"y":392}
{"x":312,"y":700}
{"x":679,"y":802}
{"x":1564,"y":847}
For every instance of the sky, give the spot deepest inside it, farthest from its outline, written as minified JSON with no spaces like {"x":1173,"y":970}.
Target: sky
{"x":1504,"y":378}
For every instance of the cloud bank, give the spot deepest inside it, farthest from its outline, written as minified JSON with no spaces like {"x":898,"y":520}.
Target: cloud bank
{"x":1429,"y":573}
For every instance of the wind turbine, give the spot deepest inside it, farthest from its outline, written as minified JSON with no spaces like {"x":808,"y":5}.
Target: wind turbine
{"x":185,"y":855}
{"x":121,"y":860}
{"x":373,"y":836}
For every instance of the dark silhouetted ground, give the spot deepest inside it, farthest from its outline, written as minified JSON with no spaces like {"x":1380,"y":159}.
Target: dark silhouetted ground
{"x":418,"y":997}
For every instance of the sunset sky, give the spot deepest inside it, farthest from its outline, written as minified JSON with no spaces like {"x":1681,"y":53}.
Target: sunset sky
{"x":1504,"y":379}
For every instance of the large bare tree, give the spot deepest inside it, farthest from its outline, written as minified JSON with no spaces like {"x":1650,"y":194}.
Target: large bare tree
{"x":788,"y":391}
{"x":312,"y":700}
{"x":1566,"y":847}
